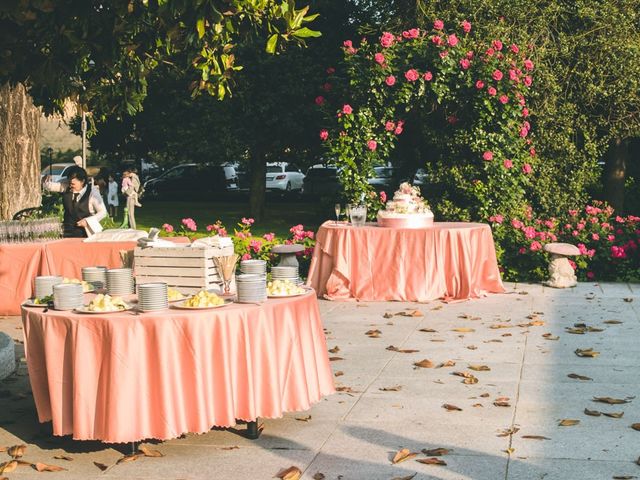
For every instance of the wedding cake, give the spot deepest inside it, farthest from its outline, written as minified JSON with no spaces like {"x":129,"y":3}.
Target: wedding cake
{"x":407,"y":209}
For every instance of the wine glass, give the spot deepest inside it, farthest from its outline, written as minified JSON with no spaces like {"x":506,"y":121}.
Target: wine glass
{"x":337,"y":208}
{"x":347,"y":211}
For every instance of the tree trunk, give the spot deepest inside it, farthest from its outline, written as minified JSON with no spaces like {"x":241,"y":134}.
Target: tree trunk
{"x":19,"y":152}
{"x":615,"y":173}
{"x":257,"y":185}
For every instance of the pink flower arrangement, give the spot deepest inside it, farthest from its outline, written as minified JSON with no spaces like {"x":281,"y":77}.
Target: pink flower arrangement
{"x":190,"y":224}
{"x":167,"y":228}
{"x":383,"y":197}
{"x":379,"y":58}
{"x":247,"y":221}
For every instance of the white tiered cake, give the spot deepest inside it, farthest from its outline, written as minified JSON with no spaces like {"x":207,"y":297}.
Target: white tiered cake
{"x":407,"y":209}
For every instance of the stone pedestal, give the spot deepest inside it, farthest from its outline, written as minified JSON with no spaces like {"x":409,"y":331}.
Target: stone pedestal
{"x":561,"y":273}
{"x":288,"y":254}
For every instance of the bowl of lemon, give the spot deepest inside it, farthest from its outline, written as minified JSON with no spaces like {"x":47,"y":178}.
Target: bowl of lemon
{"x":203,"y":300}
{"x":284,"y":288}
{"x":105,"y":304}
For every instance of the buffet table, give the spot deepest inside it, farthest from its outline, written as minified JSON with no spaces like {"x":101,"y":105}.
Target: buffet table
{"x":453,"y":261}
{"x":20,"y":263}
{"x":122,"y":377}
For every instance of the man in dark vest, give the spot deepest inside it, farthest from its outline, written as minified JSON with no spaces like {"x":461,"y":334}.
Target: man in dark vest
{"x":83,"y":205}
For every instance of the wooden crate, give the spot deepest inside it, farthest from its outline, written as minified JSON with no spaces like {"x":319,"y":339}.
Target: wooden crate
{"x":188,"y":270}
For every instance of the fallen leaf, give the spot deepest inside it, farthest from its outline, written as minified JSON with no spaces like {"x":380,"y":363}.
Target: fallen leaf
{"x":129,"y":458}
{"x":502,"y":403}
{"x":470,"y":381}
{"x":335,"y":359}
{"x":575,"y":331}
{"x":549,"y":336}
{"x":592,"y":413}
{"x":624,"y":477}
{"x":534,"y":323}
{"x":399,"y":350}
{"x":388,"y":315}
{"x":472,"y":347}
{"x":373,"y":333}
{"x":508,"y":431}
{"x":579,"y":377}
{"x":567,"y":422}
{"x":233,"y":447}
{"x":462,"y":374}
{"x":484,"y":395}
{"x":587,"y":352}
{"x":636,"y":426}
{"x":466,"y":316}
{"x":628,"y":299}
{"x":8,"y":467}
{"x":339,"y":373}
{"x":613,"y":414}
{"x":432,"y":461}
{"x":610,"y":401}
{"x":595,"y":329}
{"x":612,"y":322}
{"x":64,"y":457}
{"x":402,"y":455}
{"x":479,"y":368}
{"x":17,"y":451}
{"x":291,"y":473}
{"x":494,"y":340}
{"x":304,"y":419}
{"x":437,"y":307}
{"x":147,"y":452}
{"x":509,"y":450}
{"x":536,"y":437}
{"x":43,"y":467}
{"x":448,"y":363}
{"x":406,"y":477}
{"x":436,"y":452}
{"x":497,"y":326}
{"x":428,"y":330}
{"x":346,"y":390}
{"x":451,"y":408}
{"x":335,"y":349}
{"x":318,"y":476}
{"x":463,"y":330}
{"x":426,"y":363}
{"x":437,"y":340}
{"x":411,"y":313}
{"x":101,"y":466}
{"x":397,"y":388}
{"x":506,"y":335}
{"x":477,"y":405}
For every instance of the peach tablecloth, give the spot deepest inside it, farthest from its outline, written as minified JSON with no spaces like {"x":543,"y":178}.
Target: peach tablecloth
{"x":20,"y":263}
{"x":122,"y":377}
{"x":447,"y":260}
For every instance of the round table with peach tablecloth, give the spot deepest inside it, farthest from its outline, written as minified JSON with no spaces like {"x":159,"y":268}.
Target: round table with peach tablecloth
{"x":122,"y":377}
{"x":453,"y":261}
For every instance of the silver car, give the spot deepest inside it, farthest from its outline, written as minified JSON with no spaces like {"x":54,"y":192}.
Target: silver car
{"x":284,"y":177}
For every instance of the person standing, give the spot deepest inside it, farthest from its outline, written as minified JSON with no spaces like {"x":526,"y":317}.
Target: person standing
{"x":112,"y":197}
{"x":83,"y":205}
{"x":130,"y":188}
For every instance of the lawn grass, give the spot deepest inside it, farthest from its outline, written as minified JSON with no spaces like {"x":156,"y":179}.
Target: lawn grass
{"x":280,"y":214}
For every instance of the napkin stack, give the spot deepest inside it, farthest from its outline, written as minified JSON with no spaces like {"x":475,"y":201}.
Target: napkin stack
{"x":215,"y":241}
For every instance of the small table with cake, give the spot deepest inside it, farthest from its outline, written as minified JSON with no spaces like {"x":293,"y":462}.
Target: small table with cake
{"x":405,"y":256}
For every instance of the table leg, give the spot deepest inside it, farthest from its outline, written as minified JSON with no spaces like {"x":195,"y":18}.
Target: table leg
{"x":253,"y":432}
{"x":134,"y":448}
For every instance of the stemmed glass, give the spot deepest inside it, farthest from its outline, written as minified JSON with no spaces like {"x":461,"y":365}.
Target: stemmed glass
{"x":338,"y":208}
{"x":347,"y":211}
{"x":226,"y":267}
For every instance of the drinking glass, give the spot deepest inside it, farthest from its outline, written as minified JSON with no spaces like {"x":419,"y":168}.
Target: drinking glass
{"x":347,"y":211}
{"x":337,"y":208}
{"x":358,"y":215}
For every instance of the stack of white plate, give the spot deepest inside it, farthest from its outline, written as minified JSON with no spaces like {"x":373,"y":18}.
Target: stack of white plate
{"x":256,"y":267}
{"x":44,"y":285}
{"x":251,"y":288}
{"x":286,"y":273}
{"x":152,"y":296}
{"x":119,"y":281}
{"x":97,"y":276}
{"x":67,"y":296}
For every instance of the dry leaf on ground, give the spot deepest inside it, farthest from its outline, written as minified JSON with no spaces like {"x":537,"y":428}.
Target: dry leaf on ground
{"x":536,"y":437}
{"x":636,"y":426}
{"x":16,"y":451}
{"x":592,"y":413}
{"x":64,"y":457}
{"x":400,"y":350}
{"x":586,"y":352}
{"x":426,"y":363}
{"x":432,"y":461}
{"x":101,"y":466}
{"x":436,"y":452}
{"x":610,"y":401}
{"x":388,"y":315}
{"x":130,"y":458}
{"x":346,"y":390}
{"x":624,"y":477}
{"x":8,"y":467}
{"x":339,"y":373}
{"x":550,"y":336}
{"x":479,"y":368}
{"x":411,"y":313}
{"x":428,"y":330}
{"x":335,"y":359}
{"x":304,"y":419}
{"x":567,"y":422}
{"x":396,"y":388}
{"x":613,"y":414}
{"x":43,"y":467}
{"x":448,"y":363}
{"x":402,"y":455}
{"x":629,"y":299}
{"x":463,"y":330}
{"x":335,"y":349}
{"x":578,"y":377}
{"x":451,"y":408}
{"x":291,"y":473}
{"x":373,"y":333}
{"x":612,"y":322}
{"x":406,"y":477}
{"x":148,"y":452}
{"x":319,"y":476}
{"x":508,"y":431}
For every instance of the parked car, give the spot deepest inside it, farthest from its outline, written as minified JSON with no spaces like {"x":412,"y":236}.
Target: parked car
{"x":191,"y":180}
{"x":57,"y":171}
{"x":420,"y":177}
{"x":384,"y":179}
{"x":322,"y":181}
{"x":284,"y":177}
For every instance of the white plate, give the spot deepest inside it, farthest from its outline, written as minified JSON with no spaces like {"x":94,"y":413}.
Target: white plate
{"x":182,"y":306}
{"x":29,"y":303}
{"x":306,"y":290}
{"x":85,"y":310}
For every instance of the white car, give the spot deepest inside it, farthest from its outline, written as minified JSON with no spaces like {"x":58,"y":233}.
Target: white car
{"x":284,"y":177}
{"x":57,"y":171}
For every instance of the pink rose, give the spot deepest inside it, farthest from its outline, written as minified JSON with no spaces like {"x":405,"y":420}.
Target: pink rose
{"x":492,"y":91}
{"x":387,"y":39}
{"x":489,"y":52}
{"x":452,"y":40}
{"x":324,"y":134}
{"x":438,"y":25}
{"x":497,"y":44}
{"x":331,"y":71}
{"x":503,"y":99}
{"x":469,"y":54}
{"x":427,"y":76}
{"x":497,"y":75}
{"x":436,"y":40}
{"x":517,"y":224}
{"x":372,"y":145}
{"x":522,"y":250}
{"x":452,"y":119}
{"x":528,"y":81}
{"x":507,"y":163}
{"x":514,"y":48}
{"x":526,"y":169}
{"x":611,"y":238}
{"x":326,"y":87}
{"x":591,"y":275}
{"x":319,"y":100}
{"x":269,"y":236}
{"x":390,"y":80}
{"x":499,"y":218}
{"x":466,"y":26}
{"x":246,"y":256}
{"x":595,"y":236}
{"x":535,"y":246}
{"x":383,"y":197}
{"x":411,"y":33}
{"x":379,"y":58}
{"x":524,"y":132}
{"x":389,"y":126}
{"x":443,"y":53}
{"x":398,"y":129}
{"x":479,"y":84}
{"x":465,"y":63}
{"x":346,"y":109}
{"x":487,"y":156}
{"x":513,"y":75}
{"x":167,"y":228}
{"x":247,"y":221}
{"x":532,"y":152}
{"x":348,"y":45}
{"x":528,"y":64}
{"x":411,"y":75}
{"x":525,"y":112}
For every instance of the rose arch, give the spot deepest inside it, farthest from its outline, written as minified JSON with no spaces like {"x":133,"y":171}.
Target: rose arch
{"x":473,"y":93}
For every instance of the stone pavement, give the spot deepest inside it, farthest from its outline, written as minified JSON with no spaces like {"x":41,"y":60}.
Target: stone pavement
{"x":520,"y":336}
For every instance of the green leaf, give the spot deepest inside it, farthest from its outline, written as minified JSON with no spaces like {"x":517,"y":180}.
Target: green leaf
{"x":200,"y":27}
{"x":305,"y":32}
{"x":310,"y":18}
{"x":271,"y":43}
